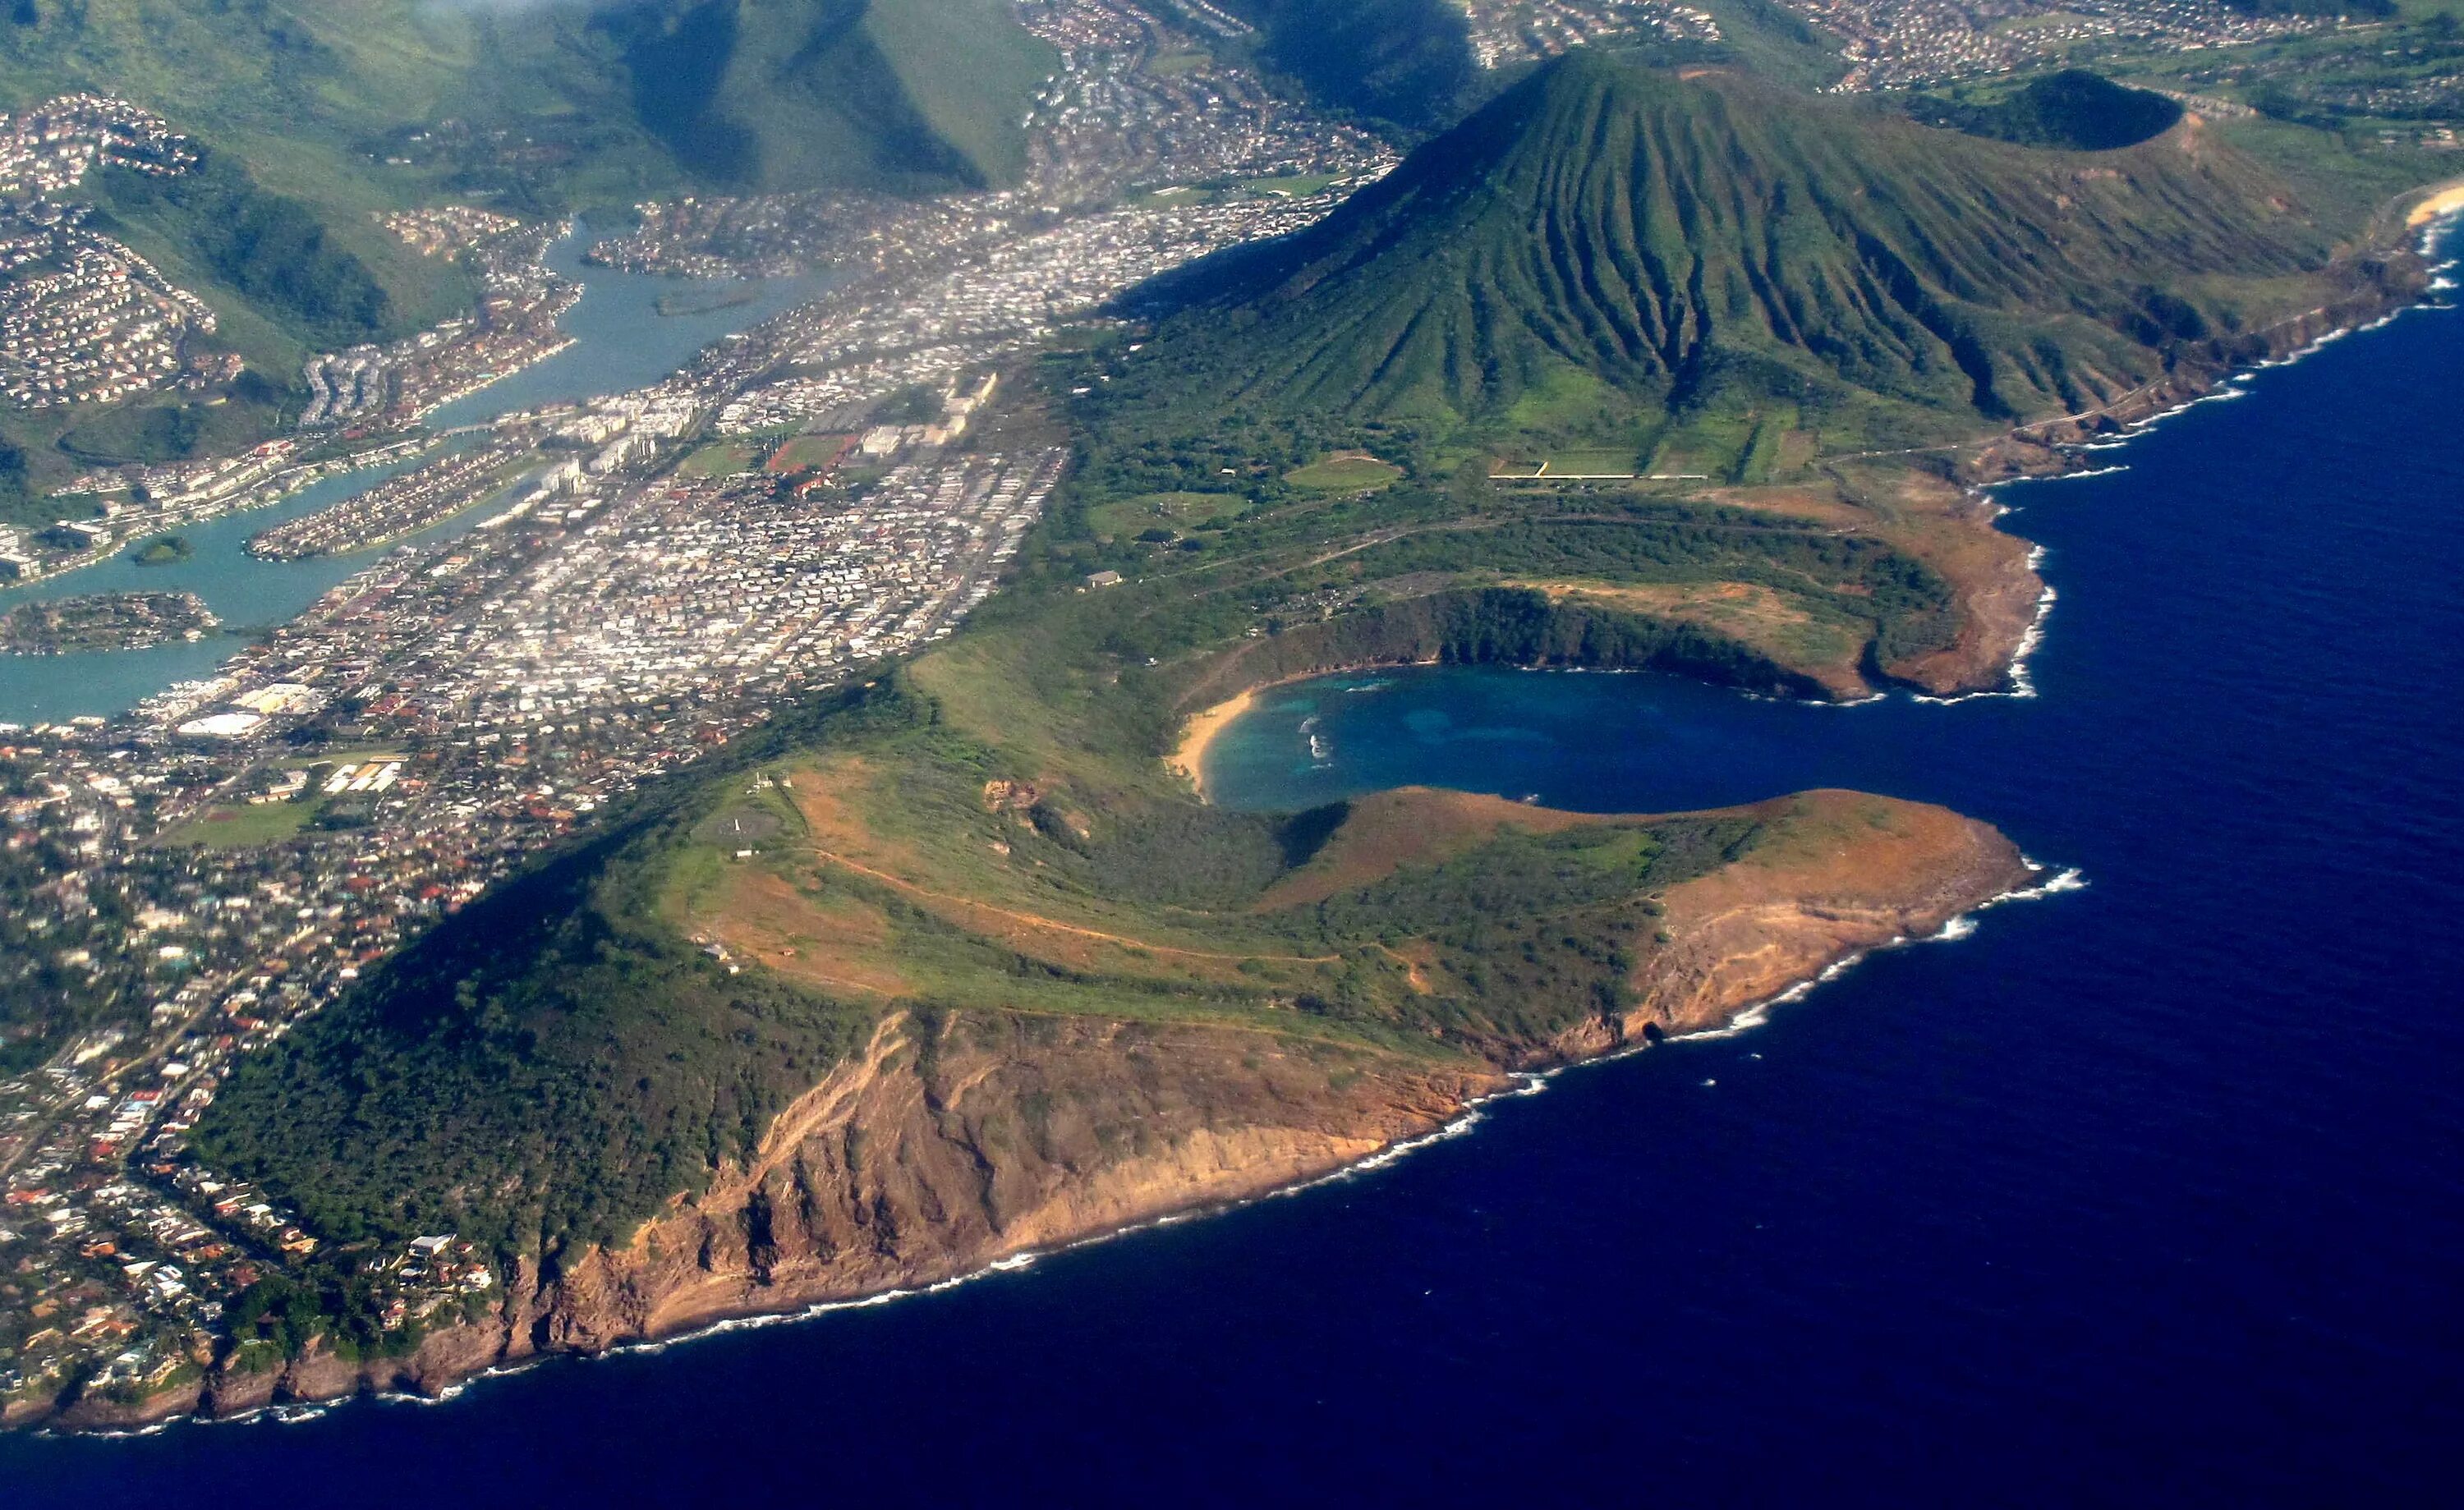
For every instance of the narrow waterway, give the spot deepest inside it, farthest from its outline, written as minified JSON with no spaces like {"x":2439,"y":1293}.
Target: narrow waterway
{"x":622,"y":341}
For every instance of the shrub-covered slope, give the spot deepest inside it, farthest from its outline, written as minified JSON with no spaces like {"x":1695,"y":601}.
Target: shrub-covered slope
{"x":1406,"y":62}
{"x":1709,"y":244}
{"x":2073,"y":110}
{"x":612,"y":93}
{"x":991,"y":836}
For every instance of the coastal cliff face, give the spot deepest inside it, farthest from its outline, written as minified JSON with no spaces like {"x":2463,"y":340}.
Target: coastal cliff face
{"x":2375,"y":285}
{"x":958,"y":1141}
{"x":1871,"y":875}
{"x":955,"y":1140}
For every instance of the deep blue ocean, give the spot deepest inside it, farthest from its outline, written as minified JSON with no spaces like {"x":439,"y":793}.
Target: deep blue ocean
{"x":2150,"y":1192}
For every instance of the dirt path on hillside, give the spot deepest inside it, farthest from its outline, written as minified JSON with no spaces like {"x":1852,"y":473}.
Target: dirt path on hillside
{"x":1055,"y":924}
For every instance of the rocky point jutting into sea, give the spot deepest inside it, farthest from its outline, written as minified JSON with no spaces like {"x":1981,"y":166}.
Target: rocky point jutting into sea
{"x":1208,"y":1122}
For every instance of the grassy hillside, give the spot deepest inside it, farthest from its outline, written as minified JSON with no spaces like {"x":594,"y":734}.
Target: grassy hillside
{"x":1608,"y":250}
{"x":994,"y":834}
{"x":2073,"y":110}
{"x":1608,"y":270}
{"x":907,"y":93}
{"x":1407,"y":63}
{"x":317,"y":117}
{"x":557,"y":100}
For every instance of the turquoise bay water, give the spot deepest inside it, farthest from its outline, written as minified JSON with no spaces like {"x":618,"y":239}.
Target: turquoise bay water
{"x":623,"y":342}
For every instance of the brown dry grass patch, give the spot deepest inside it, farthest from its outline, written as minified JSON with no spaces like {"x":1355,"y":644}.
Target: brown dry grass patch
{"x":831,"y":941}
{"x":834,"y":796}
{"x":1820,"y":505}
{"x":1075,"y":945}
{"x":1831,"y":842}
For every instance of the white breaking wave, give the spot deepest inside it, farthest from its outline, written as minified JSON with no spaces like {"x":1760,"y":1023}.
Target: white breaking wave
{"x":1960,"y":926}
{"x":2022,"y":684}
{"x":1528,"y":1083}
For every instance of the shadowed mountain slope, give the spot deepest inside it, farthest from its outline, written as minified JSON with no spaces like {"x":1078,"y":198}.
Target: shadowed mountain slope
{"x":614,"y":95}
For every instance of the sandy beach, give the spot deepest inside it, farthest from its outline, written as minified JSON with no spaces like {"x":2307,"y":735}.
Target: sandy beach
{"x":1190,"y":757}
{"x":2446,"y":202}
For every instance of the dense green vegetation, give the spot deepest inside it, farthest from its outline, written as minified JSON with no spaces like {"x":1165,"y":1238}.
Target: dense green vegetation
{"x":1909,"y":603}
{"x":164,"y":549}
{"x":1521,"y":874}
{"x":547,"y":104}
{"x":2073,"y":110}
{"x":548,"y":1068}
{"x":1404,"y":62}
{"x":905,"y":93}
{"x":273,"y":251}
{"x":1605,"y":251}
{"x":1514,"y":627}
{"x":1658,"y":267}
{"x":549,"y":1064}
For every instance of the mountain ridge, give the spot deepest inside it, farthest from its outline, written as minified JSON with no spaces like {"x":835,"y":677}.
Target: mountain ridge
{"x":1704,"y":242}
{"x":624,"y":95}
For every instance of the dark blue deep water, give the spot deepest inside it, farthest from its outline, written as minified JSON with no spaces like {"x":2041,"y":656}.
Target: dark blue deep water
{"x":2149,"y":1193}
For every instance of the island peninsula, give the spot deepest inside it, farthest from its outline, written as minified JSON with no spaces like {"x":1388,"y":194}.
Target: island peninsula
{"x":935,"y":961}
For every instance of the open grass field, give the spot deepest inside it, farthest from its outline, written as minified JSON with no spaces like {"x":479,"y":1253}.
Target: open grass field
{"x":348,"y":754}
{"x":1124,"y":517}
{"x":246,"y":826}
{"x":1344,"y":472}
{"x":723,"y":459}
{"x":866,"y":886}
{"x":1300,"y":186}
{"x":895,"y":877}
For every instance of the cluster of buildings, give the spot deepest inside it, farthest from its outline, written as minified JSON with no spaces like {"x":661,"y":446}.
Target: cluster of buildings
{"x":56,"y":144}
{"x":368,"y":387}
{"x":924,"y":323}
{"x":132,"y":503}
{"x":716,"y":588}
{"x":103,"y":622}
{"x":1133,"y":173}
{"x":1138,"y":122}
{"x":441,"y":715}
{"x":1895,"y":44}
{"x":398,"y":506}
{"x":1137,"y":105}
{"x":119,"y":1251}
{"x":83,"y":320}
{"x":447,"y":231}
{"x":2427,"y":139}
{"x":520,"y":680}
{"x":1211,"y":19}
{"x":249,"y":711}
{"x":1507,"y":32}
{"x":130,"y":1302}
{"x":2410,"y":78}
{"x":728,"y":584}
